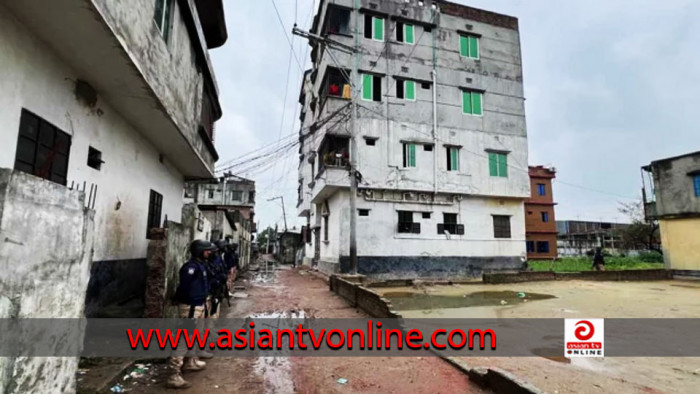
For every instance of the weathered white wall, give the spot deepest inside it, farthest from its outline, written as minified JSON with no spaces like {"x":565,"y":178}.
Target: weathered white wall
{"x":168,"y":67}
{"x":35,"y":78}
{"x":224,"y":193}
{"x":377,"y":233}
{"x":44,"y":273}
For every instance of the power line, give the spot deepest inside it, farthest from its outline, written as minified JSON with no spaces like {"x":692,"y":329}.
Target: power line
{"x":289,"y":40}
{"x":273,"y":145}
{"x":594,"y":190}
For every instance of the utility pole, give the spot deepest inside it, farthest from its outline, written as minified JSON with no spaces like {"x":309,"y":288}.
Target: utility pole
{"x":355,"y":88}
{"x":284,"y":213}
{"x":353,"y":142}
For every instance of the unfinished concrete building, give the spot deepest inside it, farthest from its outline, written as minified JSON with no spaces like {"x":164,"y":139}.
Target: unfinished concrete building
{"x":228,"y":203}
{"x":117,"y":99}
{"x":672,"y":196}
{"x":441,"y":141}
{"x":579,"y":238}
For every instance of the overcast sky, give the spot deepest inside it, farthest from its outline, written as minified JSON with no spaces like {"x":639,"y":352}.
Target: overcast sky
{"x":609,"y":87}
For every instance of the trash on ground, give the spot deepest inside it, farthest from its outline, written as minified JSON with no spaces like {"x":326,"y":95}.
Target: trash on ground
{"x":342,"y":380}
{"x":521,"y":295}
{"x":240,"y":295}
{"x":504,"y":302}
{"x":117,"y":388}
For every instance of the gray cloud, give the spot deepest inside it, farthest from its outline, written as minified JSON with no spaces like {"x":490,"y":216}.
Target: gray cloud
{"x":610,"y":86}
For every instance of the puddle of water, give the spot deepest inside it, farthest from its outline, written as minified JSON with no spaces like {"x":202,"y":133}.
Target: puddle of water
{"x":408,"y":301}
{"x":293,"y":314}
{"x":276,"y":371}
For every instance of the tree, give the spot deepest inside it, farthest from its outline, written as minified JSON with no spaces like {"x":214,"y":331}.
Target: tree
{"x":263,"y":236}
{"x":642,"y":233}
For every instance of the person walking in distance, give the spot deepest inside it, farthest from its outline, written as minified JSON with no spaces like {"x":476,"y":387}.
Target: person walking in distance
{"x":190,"y":296}
{"x":598,"y":260}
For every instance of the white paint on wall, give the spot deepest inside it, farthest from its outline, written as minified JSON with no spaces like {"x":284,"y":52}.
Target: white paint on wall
{"x":377,"y":234}
{"x":35,"y":78}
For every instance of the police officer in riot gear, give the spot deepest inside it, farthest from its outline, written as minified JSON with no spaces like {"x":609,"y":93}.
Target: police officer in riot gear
{"x":191,"y":296}
{"x":218,"y":275}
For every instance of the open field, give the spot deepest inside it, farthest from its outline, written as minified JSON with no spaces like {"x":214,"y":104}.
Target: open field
{"x":576,"y":264}
{"x":570,"y":299}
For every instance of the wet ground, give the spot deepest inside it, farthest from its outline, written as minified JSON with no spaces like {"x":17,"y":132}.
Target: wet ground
{"x":298,"y":293}
{"x":570,"y":299}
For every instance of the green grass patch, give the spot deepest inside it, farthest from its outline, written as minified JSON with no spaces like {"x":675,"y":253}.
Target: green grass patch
{"x":576,"y":264}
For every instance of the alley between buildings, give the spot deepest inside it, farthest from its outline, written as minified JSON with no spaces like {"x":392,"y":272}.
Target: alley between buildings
{"x":293,"y":291}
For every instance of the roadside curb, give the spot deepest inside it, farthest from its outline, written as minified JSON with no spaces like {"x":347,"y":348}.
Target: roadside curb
{"x":112,"y":377}
{"x":494,"y":379}
{"x":375,"y":305}
{"x":317,"y":274}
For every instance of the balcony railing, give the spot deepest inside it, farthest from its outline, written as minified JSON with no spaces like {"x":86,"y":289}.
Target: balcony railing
{"x":409,"y":228}
{"x":452,"y":228}
{"x":650,"y":210}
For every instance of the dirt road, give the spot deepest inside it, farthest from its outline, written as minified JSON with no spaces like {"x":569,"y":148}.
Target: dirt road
{"x":570,"y":299}
{"x":291,"y":291}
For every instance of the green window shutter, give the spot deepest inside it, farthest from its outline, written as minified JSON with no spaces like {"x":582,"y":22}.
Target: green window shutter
{"x":476,"y":103}
{"x":378,"y":29}
{"x":408,"y":34}
{"x":366,"y":87}
{"x":503,"y":166}
{"x":411,"y":155}
{"x":493,"y":164}
{"x":463,"y":46}
{"x":474,"y":47}
{"x":454,"y":158}
{"x":410,"y":90}
{"x":466,"y":102}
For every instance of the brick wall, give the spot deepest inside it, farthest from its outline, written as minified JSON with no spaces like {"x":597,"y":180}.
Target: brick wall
{"x":630,"y":275}
{"x":362,"y":298}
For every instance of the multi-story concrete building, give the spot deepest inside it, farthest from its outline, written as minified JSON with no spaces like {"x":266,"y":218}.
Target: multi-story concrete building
{"x":117,"y":99}
{"x":540,"y":223}
{"x":674,"y":200}
{"x":441,"y":141}
{"x":228,"y":203}
{"x":578,"y":238}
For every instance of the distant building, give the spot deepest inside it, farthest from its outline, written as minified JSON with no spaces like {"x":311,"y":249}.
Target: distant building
{"x":229,"y":204}
{"x":289,"y":244}
{"x":540,"y":224}
{"x":576,"y":238}
{"x":673,"y":199}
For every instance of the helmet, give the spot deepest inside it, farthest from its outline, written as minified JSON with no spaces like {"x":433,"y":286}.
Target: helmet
{"x":221,"y":244}
{"x":198,"y":246}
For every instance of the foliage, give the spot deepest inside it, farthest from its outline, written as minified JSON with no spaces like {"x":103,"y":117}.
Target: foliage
{"x":263,"y":237}
{"x":576,"y":264}
{"x":651,"y":257}
{"x":641,"y":233}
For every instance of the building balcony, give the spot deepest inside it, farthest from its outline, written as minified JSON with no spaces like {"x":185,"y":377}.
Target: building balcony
{"x":650,"y":212}
{"x":333,"y":166}
{"x":121,"y":58}
{"x":329,"y":182}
